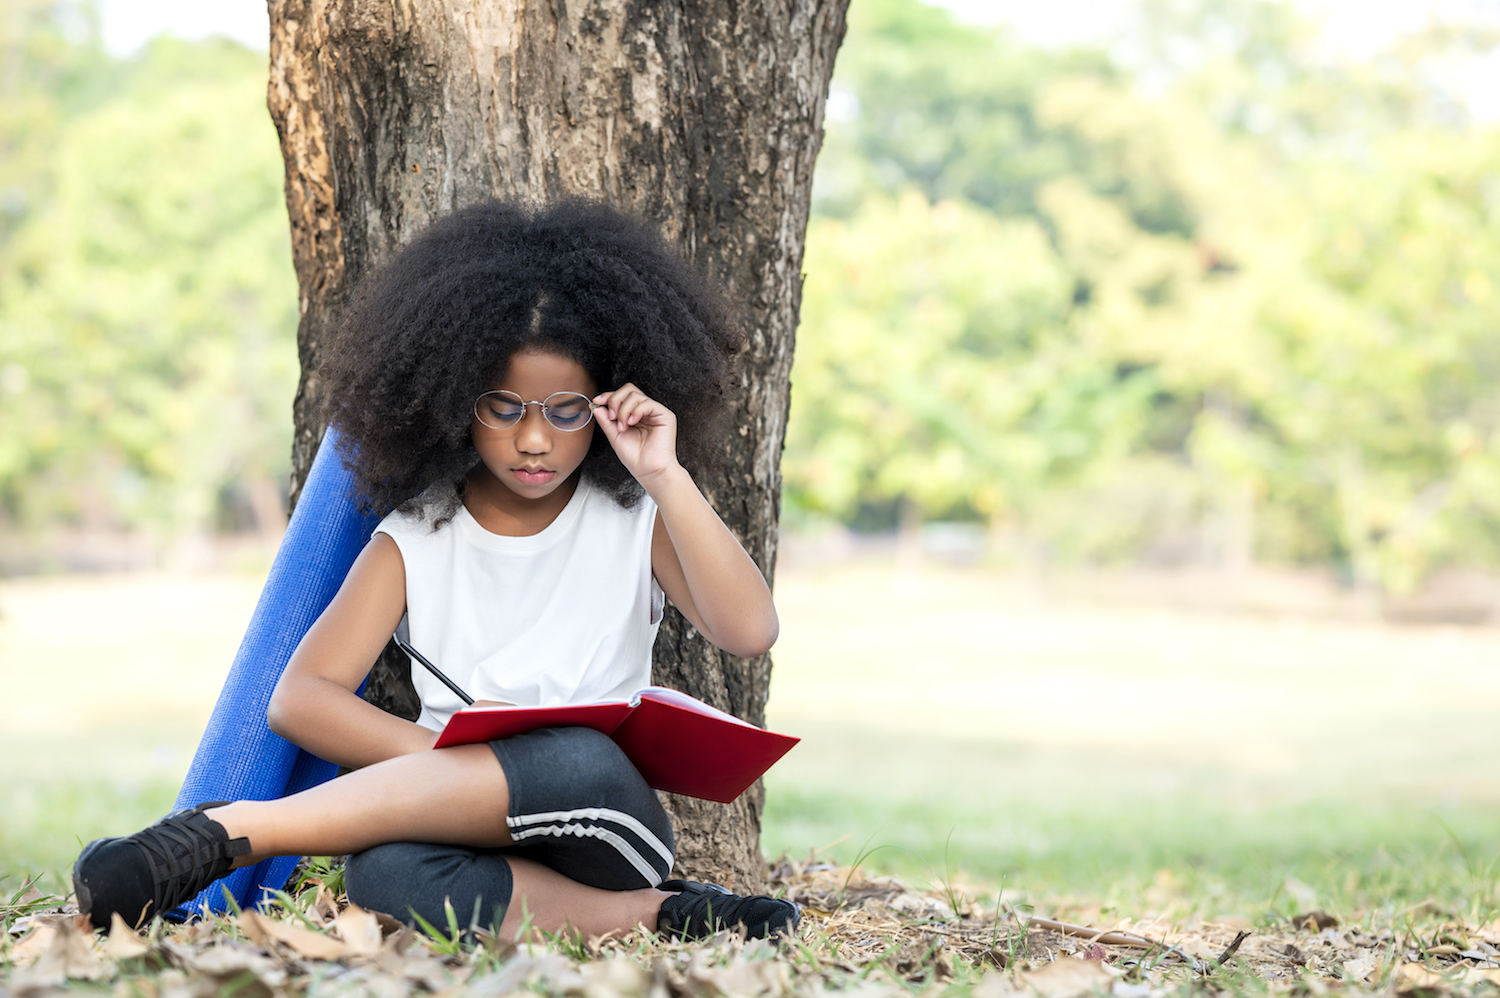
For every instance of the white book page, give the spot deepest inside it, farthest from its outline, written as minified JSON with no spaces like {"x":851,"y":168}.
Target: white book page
{"x":680,"y":699}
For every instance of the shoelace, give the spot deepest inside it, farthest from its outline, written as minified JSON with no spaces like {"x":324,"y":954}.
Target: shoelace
{"x":710,"y":907}
{"x":172,"y":877}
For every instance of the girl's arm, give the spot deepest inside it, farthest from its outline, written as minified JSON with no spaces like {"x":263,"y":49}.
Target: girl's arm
{"x":698,"y":563}
{"x":314,"y":704}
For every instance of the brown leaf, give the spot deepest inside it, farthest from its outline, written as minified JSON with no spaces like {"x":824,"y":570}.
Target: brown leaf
{"x":1068,"y":978}
{"x":253,"y":926}
{"x":1414,"y":977}
{"x":618,"y":979}
{"x":994,"y":985}
{"x":1360,"y":968}
{"x":393,"y":950}
{"x":230,"y":961}
{"x":34,"y":945}
{"x":1314,"y":921}
{"x":388,"y":925}
{"x":305,"y":942}
{"x":325,"y":906}
{"x":29,"y":896}
{"x":433,"y":975}
{"x":359,"y":929}
{"x":65,"y":952}
{"x":123,"y":942}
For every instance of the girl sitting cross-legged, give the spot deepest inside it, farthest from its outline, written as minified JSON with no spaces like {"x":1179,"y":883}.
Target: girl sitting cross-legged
{"x":522,"y":391}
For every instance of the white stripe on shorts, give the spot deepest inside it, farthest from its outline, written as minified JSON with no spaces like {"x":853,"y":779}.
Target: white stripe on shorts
{"x":595,"y":832}
{"x":630,"y":821}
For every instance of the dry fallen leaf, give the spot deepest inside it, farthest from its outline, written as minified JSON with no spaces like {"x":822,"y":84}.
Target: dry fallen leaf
{"x":549,"y":973}
{"x":1314,"y":921}
{"x":994,"y":985}
{"x":226,"y":962}
{"x":359,"y":929}
{"x":1411,"y":976}
{"x":305,"y":942}
{"x":34,"y":945}
{"x":739,"y":976}
{"x":1360,"y":968}
{"x":432,"y":974}
{"x":123,"y":943}
{"x":616,"y":979}
{"x":1200,"y":948}
{"x":66,"y":952}
{"x":1068,"y":978}
{"x":325,"y":906}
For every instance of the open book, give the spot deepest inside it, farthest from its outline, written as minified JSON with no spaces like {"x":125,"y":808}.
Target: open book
{"x":679,"y":743}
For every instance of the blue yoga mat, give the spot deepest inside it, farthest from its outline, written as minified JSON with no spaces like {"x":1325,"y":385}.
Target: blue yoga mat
{"x":239,"y":758}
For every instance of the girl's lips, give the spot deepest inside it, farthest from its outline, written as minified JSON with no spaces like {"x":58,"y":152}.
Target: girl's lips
{"x":533,"y":476}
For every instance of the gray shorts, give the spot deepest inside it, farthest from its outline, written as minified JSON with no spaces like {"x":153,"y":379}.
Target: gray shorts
{"x":577,"y":805}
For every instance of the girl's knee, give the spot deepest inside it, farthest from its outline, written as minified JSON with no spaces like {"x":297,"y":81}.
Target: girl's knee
{"x":403,"y":878}
{"x":572,"y":789}
{"x":584,"y":760}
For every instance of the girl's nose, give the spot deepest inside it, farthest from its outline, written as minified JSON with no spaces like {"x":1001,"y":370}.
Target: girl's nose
{"x":532,"y":436}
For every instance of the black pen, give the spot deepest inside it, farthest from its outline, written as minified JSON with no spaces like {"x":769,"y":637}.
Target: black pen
{"x":405,"y":646}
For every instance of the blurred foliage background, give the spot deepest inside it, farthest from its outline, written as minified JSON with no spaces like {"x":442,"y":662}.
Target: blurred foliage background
{"x":1230,"y":300}
{"x":1237,"y":303}
{"x":148,"y":307}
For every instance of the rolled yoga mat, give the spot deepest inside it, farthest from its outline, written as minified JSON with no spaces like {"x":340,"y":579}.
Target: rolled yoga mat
{"x":239,"y":758}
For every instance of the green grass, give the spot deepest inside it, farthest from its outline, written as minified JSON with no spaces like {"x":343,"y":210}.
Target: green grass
{"x":44,"y":824}
{"x":1055,"y":826}
{"x":60,"y":791}
{"x":1069,"y":753}
{"x":1126,"y":832}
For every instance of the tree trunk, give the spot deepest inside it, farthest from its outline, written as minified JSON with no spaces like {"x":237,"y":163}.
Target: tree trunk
{"x":702,"y":115}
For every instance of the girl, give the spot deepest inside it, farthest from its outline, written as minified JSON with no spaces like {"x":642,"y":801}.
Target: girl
{"x":508,"y":389}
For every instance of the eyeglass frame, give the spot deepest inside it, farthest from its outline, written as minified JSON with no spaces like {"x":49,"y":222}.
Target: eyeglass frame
{"x":537,"y":402}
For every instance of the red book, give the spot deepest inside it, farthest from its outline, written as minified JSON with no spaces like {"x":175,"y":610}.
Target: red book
{"x":679,"y":743}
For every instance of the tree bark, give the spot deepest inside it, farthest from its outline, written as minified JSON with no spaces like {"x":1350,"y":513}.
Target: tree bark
{"x":704,"y":116}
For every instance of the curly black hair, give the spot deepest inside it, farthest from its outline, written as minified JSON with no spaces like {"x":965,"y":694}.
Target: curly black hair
{"x":427,"y":333}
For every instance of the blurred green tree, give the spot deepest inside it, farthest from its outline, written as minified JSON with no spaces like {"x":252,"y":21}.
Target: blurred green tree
{"x":1212,"y":295}
{"x":1268,"y":284}
{"x":147,"y":302}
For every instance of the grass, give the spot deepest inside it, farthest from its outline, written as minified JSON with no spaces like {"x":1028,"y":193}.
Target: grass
{"x":44,"y":824}
{"x":963,"y":728}
{"x":1210,"y":846}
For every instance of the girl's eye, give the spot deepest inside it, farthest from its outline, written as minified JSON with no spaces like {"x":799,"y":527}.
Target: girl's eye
{"x":498,"y":410}
{"x":568,"y":415}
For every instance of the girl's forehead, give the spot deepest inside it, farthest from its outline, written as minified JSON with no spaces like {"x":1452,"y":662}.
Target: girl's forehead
{"x":532,"y":370}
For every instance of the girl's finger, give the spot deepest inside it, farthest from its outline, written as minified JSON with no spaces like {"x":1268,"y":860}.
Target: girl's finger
{"x":630,"y":409}
{"x":618,"y":403}
{"x":615,"y":394}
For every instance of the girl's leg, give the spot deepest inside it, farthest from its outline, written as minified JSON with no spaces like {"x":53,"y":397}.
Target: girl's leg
{"x":483,"y":886}
{"x":455,"y":795}
{"x":550,"y":901}
{"x":591,"y":844}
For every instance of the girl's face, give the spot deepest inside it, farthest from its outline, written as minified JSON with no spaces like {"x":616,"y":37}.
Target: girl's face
{"x":533,"y":458}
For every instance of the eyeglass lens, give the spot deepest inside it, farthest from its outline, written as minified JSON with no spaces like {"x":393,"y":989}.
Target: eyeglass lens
{"x":564,"y":410}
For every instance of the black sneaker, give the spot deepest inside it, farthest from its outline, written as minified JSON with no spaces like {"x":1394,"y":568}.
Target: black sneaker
{"x":701,"y":910}
{"x":153,"y":871}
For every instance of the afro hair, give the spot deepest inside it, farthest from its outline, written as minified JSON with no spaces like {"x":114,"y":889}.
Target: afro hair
{"x":436,"y":326}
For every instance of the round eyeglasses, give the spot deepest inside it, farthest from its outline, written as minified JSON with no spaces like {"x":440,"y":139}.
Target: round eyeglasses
{"x":568,"y":411}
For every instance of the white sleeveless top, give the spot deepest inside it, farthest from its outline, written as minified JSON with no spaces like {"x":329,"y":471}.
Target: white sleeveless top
{"x":567,"y":615}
